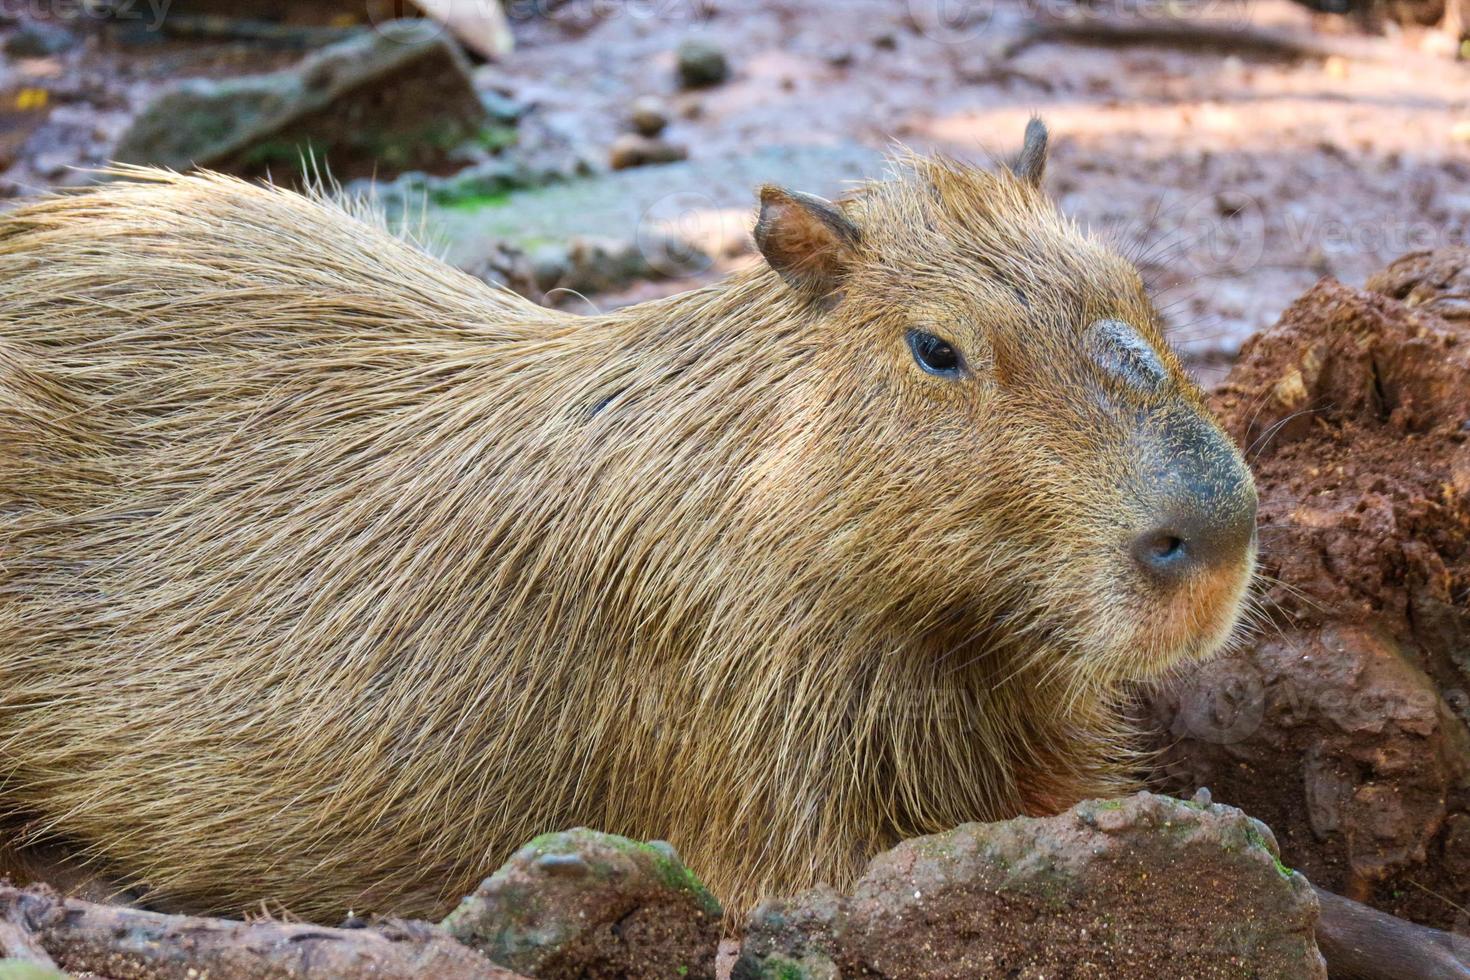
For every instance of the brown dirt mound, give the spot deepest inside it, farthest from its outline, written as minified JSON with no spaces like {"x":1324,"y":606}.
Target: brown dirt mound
{"x":1355,"y":411}
{"x":1343,"y":725}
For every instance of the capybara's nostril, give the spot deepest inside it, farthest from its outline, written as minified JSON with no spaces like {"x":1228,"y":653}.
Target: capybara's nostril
{"x":1165,"y":554}
{"x":1201,"y":535}
{"x":1158,"y":550}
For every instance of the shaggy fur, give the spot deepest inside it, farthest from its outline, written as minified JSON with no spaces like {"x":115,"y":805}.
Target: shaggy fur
{"x":329,"y":575}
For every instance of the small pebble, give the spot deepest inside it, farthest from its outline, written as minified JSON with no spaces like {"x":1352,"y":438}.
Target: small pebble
{"x":839,"y":57}
{"x":701,"y":64}
{"x":632,"y":150}
{"x":648,"y":115}
{"x":549,"y":265}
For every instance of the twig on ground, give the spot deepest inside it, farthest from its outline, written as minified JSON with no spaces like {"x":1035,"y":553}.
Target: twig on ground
{"x":1230,"y":37}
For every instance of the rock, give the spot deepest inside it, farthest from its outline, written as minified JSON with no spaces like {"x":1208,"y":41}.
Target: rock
{"x":632,"y":150}
{"x":550,"y":265}
{"x":1146,"y":886}
{"x":503,"y":264}
{"x":105,"y":940}
{"x":359,"y":105}
{"x":1337,"y":737}
{"x":649,"y":115}
{"x":1344,"y":725}
{"x":503,"y":107}
{"x":39,"y":39}
{"x":600,"y":265}
{"x":584,"y":266}
{"x":839,"y":56}
{"x":701,"y":64}
{"x":1436,"y":281}
{"x":584,"y":903}
{"x":579,"y":267}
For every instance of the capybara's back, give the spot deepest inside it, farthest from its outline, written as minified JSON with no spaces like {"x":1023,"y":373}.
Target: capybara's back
{"x":235,"y":472}
{"x":329,"y":575}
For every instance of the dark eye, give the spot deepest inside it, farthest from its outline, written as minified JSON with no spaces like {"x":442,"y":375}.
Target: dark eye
{"x":935,"y":355}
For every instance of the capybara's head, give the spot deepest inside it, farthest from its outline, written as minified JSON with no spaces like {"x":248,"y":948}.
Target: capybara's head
{"x":1034,"y":464}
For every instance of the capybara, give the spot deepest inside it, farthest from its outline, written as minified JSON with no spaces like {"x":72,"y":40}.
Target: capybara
{"x":329,"y":574}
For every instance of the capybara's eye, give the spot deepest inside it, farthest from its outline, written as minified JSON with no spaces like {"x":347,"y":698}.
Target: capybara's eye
{"x":935,"y":355}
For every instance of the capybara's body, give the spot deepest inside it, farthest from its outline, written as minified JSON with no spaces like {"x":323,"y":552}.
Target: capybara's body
{"x":329,"y":575}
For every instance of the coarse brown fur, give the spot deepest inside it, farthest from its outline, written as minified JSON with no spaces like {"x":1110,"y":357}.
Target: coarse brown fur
{"x":329,"y":574}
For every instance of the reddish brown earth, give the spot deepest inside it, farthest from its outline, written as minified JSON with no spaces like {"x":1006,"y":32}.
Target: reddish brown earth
{"x":1343,"y":723}
{"x":1140,"y":887}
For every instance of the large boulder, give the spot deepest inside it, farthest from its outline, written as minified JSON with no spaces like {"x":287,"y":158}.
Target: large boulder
{"x":1145,"y":886}
{"x":359,"y":106}
{"x":1341,"y":721}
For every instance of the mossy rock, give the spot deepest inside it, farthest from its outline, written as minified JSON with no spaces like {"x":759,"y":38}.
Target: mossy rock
{"x":584,"y":903}
{"x":355,"y":108}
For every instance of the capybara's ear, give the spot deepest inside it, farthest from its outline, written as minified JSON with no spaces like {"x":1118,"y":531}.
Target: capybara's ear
{"x":1030,"y":164}
{"x":806,"y":239}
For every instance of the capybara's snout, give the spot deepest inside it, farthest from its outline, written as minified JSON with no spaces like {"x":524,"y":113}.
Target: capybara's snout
{"x":1198,"y":504}
{"x":1194,"y":504}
